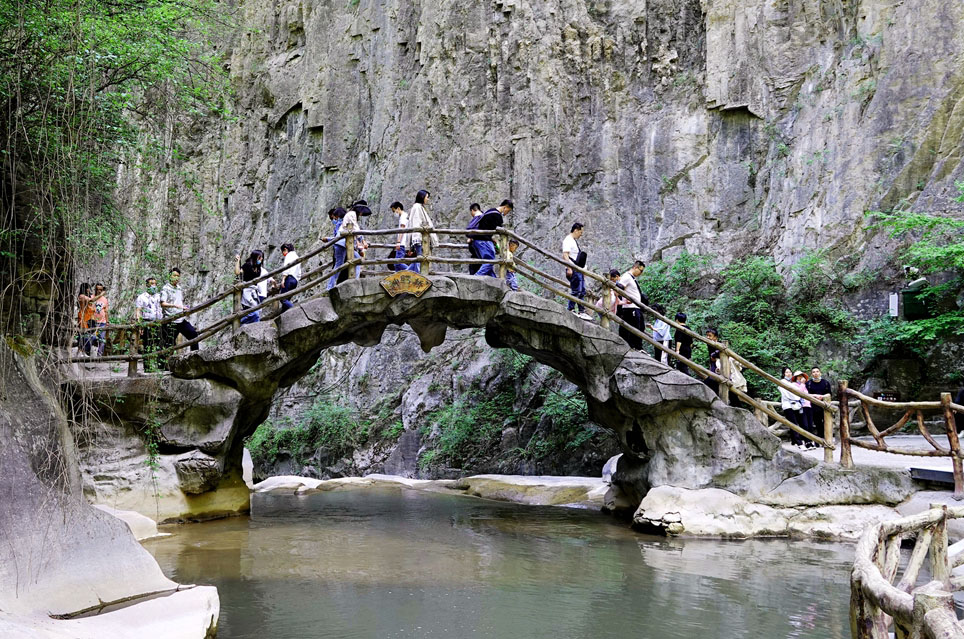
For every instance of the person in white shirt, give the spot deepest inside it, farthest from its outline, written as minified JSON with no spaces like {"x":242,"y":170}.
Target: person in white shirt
{"x":291,"y":275}
{"x":172,"y":303}
{"x":147,"y":308}
{"x":350,"y":223}
{"x":577,"y":282}
{"x":400,"y":246}
{"x":628,"y":311}
{"x":256,"y":292}
{"x":418,"y":218}
{"x":660,"y":334}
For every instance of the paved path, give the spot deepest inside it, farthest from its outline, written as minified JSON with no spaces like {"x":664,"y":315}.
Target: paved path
{"x":863,"y":457}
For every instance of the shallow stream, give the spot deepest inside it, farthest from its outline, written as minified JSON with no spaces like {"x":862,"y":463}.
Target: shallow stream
{"x":390,"y":562}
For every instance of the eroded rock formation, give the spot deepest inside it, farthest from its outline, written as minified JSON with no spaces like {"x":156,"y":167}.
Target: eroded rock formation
{"x":58,"y":555}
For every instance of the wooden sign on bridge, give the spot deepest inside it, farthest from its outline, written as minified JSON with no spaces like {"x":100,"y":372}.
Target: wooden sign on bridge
{"x":406,"y":282}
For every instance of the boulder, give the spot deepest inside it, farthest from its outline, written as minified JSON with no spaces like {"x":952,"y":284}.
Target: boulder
{"x":197,"y":472}
{"x":141,"y":527}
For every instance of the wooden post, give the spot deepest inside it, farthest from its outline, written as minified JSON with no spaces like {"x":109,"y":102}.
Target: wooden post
{"x":761,"y":417}
{"x":426,"y":252}
{"x":132,"y":351}
{"x":725,"y":370}
{"x":350,"y":254}
{"x":955,"y":445}
{"x":503,"y":249}
{"x":940,"y":570}
{"x":236,"y":323}
{"x":846,"y":458}
{"x":828,"y":435}
{"x":607,"y":304}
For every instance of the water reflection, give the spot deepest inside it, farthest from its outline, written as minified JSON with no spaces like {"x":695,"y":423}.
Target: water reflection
{"x":388,"y":562}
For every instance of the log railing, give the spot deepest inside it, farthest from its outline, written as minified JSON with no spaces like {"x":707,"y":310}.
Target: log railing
{"x":879,"y":606}
{"x":912,"y":411}
{"x":505,"y":260}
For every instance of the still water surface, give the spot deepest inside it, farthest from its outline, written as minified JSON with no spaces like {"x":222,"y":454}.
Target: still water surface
{"x":388,"y":562}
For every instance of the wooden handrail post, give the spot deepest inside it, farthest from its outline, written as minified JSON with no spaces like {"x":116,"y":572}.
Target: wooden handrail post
{"x":236,"y":323}
{"x":350,"y":254}
{"x":426,"y":252}
{"x":725,"y":370}
{"x":846,"y":457}
{"x":940,"y":570}
{"x":828,"y":435}
{"x":955,"y":445}
{"x":132,"y":352}
{"x":607,"y":304}
{"x":503,"y":248}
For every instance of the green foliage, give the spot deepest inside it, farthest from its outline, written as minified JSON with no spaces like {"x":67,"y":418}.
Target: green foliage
{"x":334,"y":426}
{"x":87,"y":85}
{"x":568,"y":426}
{"x":880,"y":337}
{"x":664,"y":284}
{"x":468,"y":428}
{"x":939,"y":243}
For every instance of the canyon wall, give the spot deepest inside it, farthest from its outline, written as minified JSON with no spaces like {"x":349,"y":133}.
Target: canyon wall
{"x":718,"y":127}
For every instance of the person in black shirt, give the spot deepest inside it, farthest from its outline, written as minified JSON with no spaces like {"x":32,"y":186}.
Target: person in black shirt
{"x":684,"y":344}
{"x":819,"y":388}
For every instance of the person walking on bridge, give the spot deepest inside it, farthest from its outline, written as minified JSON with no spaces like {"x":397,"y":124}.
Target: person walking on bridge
{"x":251,"y":296}
{"x":476,"y":211}
{"x":147,"y":308}
{"x":400,"y":247}
{"x":791,"y":406}
{"x":291,"y":275}
{"x":418,"y":218}
{"x":100,"y":306}
{"x":172,"y":303}
{"x":337,"y":216}
{"x":489,"y":221}
{"x":574,"y":257}
{"x":628,"y":310}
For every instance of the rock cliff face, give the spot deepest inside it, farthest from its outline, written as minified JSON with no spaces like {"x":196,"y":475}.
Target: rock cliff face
{"x":719,"y":127}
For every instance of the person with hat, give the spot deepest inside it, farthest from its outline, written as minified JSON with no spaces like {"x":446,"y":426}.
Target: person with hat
{"x":484,"y":245}
{"x":806,"y":413}
{"x":792,"y":407}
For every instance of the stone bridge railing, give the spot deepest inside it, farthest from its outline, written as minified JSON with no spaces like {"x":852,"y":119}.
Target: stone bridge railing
{"x":429,"y":261}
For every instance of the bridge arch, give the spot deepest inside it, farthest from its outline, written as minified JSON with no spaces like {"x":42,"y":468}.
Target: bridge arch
{"x":672,"y":427}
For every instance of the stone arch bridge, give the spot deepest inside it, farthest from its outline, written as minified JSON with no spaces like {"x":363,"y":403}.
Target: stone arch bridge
{"x":673,"y":428}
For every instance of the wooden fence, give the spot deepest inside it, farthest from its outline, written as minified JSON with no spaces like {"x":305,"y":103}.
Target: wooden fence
{"x":878,"y":605}
{"x":912,"y":410}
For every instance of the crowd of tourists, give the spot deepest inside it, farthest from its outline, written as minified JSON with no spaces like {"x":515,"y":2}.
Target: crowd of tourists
{"x":155,"y":304}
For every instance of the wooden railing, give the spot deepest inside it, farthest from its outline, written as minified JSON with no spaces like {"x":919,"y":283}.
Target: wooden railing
{"x":504,"y":260}
{"x":877,"y":604}
{"x":911,"y":410}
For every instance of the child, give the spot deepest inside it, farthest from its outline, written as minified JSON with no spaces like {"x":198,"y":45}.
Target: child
{"x":510,"y":277}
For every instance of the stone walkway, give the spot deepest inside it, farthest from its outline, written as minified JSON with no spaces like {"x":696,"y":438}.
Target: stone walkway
{"x":863,"y":457}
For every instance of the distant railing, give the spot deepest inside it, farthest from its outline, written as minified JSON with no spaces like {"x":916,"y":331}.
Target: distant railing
{"x":912,"y":410}
{"x":877,"y":604}
{"x":505,"y":260}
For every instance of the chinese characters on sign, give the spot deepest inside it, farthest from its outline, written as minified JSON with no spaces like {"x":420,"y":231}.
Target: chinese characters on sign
{"x":406,"y":282}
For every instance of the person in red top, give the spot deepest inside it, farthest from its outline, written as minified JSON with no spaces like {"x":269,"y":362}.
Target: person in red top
{"x":99,"y":307}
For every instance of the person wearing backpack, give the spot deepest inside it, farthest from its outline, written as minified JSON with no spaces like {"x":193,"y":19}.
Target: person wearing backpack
{"x":484,"y":244}
{"x":573,"y":256}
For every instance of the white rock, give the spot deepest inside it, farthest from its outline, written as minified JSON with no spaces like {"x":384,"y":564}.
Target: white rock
{"x":142,"y":527}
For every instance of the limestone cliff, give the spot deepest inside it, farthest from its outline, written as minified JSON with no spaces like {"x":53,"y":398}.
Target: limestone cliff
{"x":719,"y":127}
